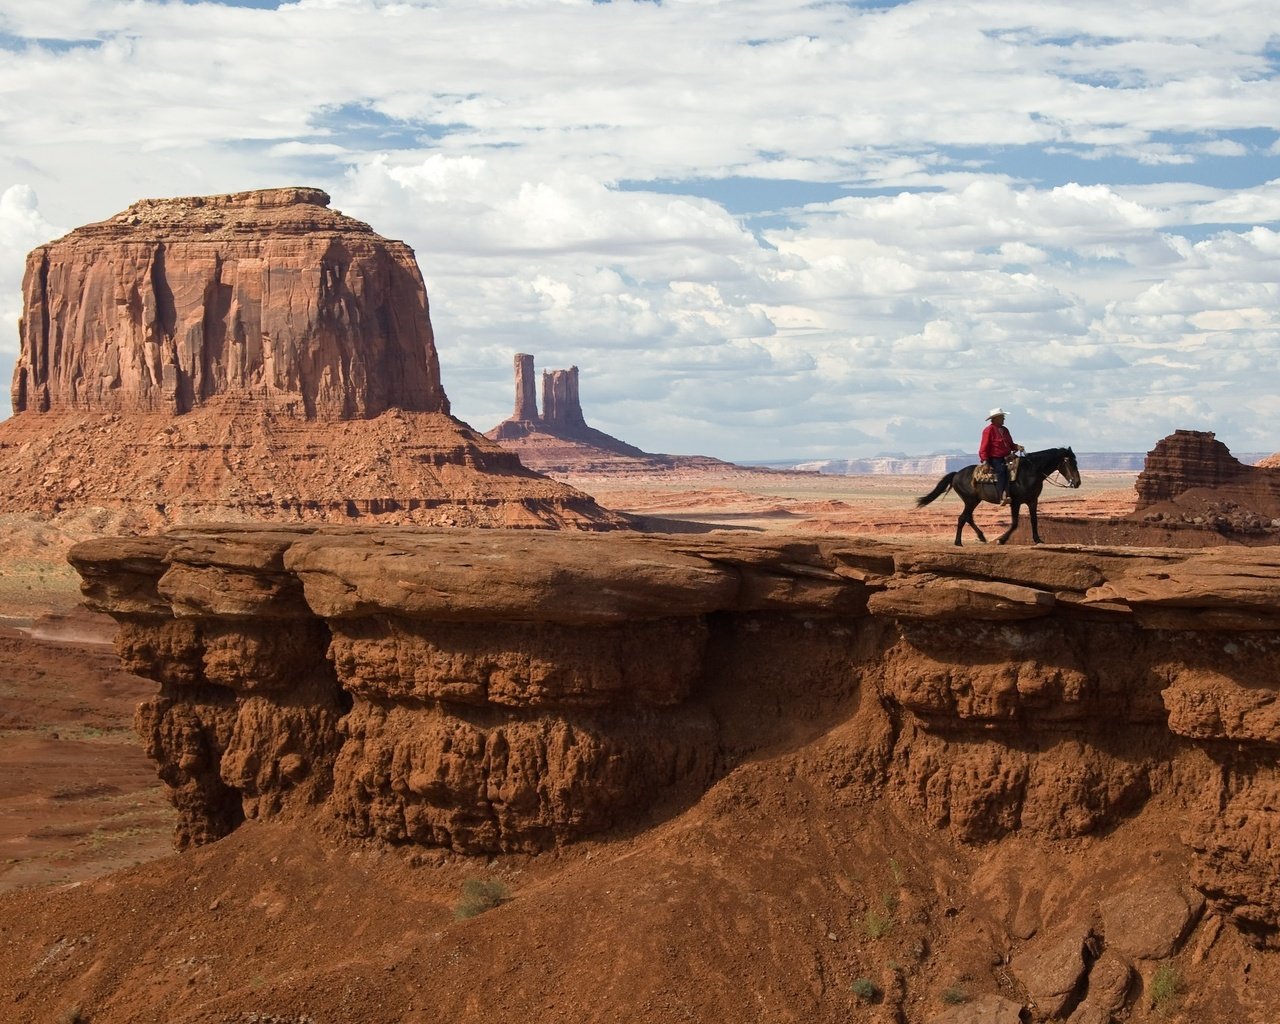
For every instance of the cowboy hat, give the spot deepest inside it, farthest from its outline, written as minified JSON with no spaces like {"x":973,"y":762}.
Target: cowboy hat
{"x":997,"y":411}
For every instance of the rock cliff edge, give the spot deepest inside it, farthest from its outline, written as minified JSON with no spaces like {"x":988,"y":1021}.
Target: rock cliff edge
{"x":494,"y":691}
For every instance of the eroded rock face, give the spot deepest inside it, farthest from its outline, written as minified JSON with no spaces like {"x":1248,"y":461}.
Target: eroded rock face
{"x":1183,"y":460}
{"x":1193,"y":473}
{"x":491,"y":691}
{"x":268,"y":297}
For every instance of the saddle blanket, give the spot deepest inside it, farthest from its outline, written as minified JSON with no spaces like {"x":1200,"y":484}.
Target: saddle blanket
{"x":984,"y":474}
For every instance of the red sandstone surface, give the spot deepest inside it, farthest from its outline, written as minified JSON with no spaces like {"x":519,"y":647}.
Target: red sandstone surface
{"x":266,"y":297}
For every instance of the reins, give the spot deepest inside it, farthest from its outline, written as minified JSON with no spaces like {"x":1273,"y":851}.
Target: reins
{"x":1048,"y":477}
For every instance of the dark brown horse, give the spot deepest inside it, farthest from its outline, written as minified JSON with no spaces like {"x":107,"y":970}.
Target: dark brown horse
{"x":1024,"y":489}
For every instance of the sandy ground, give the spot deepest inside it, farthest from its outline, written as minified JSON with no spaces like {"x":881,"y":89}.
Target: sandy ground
{"x":836,"y":504}
{"x":78,"y":798}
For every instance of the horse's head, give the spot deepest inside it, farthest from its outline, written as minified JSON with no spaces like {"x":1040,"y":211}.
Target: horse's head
{"x":1068,"y":468}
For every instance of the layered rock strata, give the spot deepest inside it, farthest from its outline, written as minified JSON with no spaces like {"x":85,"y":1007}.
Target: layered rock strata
{"x":255,"y":355}
{"x":491,"y":691}
{"x":141,"y":472}
{"x":268,"y":297}
{"x":1193,"y":468}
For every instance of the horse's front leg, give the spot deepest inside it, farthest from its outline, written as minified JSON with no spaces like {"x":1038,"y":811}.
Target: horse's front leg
{"x":1013,"y":524}
{"x":1035,"y":523}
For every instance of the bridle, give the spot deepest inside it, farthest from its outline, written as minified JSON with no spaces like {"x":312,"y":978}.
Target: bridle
{"x":1048,"y":477}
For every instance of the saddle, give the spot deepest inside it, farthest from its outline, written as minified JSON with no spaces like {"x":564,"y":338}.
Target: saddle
{"x":984,"y":474}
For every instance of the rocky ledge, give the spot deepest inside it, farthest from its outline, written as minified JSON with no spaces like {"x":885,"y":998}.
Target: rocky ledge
{"x":500,"y":691}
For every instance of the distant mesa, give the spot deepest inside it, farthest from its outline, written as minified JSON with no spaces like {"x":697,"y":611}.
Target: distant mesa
{"x":244,"y":356}
{"x":1194,"y":471}
{"x":559,"y":440}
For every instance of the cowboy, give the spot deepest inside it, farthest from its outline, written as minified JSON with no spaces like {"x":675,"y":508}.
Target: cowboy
{"x":996,"y":446}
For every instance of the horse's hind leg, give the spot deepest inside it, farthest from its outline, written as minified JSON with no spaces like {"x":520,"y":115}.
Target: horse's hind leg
{"x":967,"y":517}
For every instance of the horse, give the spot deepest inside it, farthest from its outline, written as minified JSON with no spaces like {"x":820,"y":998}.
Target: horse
{"x":1033,"y":470}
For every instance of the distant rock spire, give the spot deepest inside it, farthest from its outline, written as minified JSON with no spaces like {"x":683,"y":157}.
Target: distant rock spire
{"x":561,"y":406}
{"x":526,"y":409}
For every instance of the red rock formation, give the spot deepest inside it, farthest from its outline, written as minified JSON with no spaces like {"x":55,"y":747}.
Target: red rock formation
{"x":268,"y":297}
{"x":526,"y":409}
{"x":1194,"y":470}
{"x":515,"y":691}
{"x":561,"y":406}
{"x":250,"y":355}
{"x":560,"y":440}
{"x":1184,"y":460}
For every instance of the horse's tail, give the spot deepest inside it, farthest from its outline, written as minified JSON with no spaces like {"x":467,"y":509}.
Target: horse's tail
{"x":944,"y":485}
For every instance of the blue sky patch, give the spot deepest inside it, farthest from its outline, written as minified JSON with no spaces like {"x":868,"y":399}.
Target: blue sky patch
{"x":744,"y":196}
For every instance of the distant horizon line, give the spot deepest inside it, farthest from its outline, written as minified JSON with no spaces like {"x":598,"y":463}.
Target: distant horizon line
{"x":1247,"y":458}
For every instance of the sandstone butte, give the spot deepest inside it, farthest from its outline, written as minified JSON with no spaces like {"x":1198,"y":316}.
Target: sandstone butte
{"x":247,"y":356}
{"x":979,"y":785}
{"x":1191,"y":468}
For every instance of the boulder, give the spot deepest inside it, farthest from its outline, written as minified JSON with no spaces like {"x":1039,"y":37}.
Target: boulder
{"x":986,"y":1009}
{"x":1053,"y":967}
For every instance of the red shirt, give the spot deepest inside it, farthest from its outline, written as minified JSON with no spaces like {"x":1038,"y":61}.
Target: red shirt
{"x":996,"y":443}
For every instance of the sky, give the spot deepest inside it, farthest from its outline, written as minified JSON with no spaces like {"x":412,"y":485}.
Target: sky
{"x":762,"y":229}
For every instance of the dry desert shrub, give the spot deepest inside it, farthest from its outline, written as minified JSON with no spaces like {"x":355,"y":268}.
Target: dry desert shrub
{"x":479,"y":895}
{"x":1166,"y":987}
{"x":955,"y":995}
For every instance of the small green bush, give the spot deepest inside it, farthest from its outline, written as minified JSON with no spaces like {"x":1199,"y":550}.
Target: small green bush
{"x":877,"y":925}
{"x":1166,"y":986}
{"x":479,"y":895}
{"x":865,"y":989}
{"x":955,"y":995}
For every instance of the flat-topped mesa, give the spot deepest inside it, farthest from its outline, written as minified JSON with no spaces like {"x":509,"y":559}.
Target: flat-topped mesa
{"x":263,"y":299}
